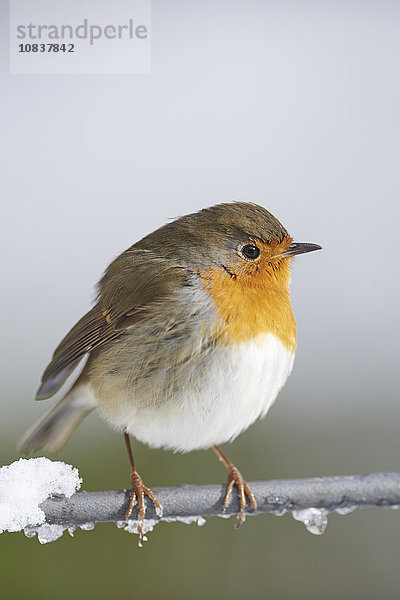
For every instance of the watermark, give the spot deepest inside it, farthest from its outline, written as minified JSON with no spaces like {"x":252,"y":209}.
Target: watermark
{"x":85,"y":36}
{"x":81,"y":32}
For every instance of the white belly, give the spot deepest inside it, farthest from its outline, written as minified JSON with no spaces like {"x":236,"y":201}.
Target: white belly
{"x":241,"y":385}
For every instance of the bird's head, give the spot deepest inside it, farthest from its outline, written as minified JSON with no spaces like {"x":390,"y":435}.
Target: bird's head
{"x":241,"y":240}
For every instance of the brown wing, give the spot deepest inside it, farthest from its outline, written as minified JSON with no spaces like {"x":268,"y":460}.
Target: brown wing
{"x":90,"y":331}
{"x":131,"y":283}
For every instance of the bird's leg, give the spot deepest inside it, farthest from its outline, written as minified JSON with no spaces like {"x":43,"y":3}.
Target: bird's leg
{"x":138,"y":492}
{"x":235,"y":478}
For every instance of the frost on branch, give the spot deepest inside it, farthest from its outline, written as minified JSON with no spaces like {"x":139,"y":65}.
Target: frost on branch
{"x":24,"y":485}
{"x":38,"y":496}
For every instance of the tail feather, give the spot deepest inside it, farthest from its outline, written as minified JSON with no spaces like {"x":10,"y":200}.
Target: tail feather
{"x":56,"y":425}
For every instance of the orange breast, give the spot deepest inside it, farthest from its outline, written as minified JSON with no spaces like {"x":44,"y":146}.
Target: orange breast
{"x":252,"y":303}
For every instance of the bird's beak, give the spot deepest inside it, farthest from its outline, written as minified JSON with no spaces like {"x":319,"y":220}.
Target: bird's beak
{"x":299,"y":248}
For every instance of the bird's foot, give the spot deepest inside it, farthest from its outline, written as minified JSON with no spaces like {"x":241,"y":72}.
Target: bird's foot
{"x":137,"y":494}
{"x":235,"y":478}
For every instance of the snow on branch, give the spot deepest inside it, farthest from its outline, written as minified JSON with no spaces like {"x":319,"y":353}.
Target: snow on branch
{"x":331,"y":494}
{"x":309,"y":501}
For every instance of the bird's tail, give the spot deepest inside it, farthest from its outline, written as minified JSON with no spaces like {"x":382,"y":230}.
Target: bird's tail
{"x":57,"y":424}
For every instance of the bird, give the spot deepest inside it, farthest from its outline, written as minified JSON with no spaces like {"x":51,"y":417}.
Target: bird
{"x":189,"y":342}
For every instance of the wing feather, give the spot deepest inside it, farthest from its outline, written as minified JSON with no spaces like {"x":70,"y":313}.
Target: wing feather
{"x":140,"y":279}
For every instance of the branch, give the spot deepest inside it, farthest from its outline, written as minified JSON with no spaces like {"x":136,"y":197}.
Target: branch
{"x":331,"y":494}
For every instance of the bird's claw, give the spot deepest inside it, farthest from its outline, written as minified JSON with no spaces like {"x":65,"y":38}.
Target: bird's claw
{"x":137,"y":493}
{"x":235,"y":478}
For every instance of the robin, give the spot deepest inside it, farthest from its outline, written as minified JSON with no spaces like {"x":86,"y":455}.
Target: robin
{"x":190,"y":341}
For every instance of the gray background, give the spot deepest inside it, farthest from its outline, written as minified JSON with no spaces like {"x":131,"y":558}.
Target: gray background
{"x":292,"y":105}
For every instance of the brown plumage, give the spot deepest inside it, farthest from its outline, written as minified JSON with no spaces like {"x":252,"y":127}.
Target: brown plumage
{"x":132,"y":282}
{"x":190,"y":339}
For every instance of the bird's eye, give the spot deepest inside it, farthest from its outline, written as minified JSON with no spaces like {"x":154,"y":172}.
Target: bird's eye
{"x":250,"y":252}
